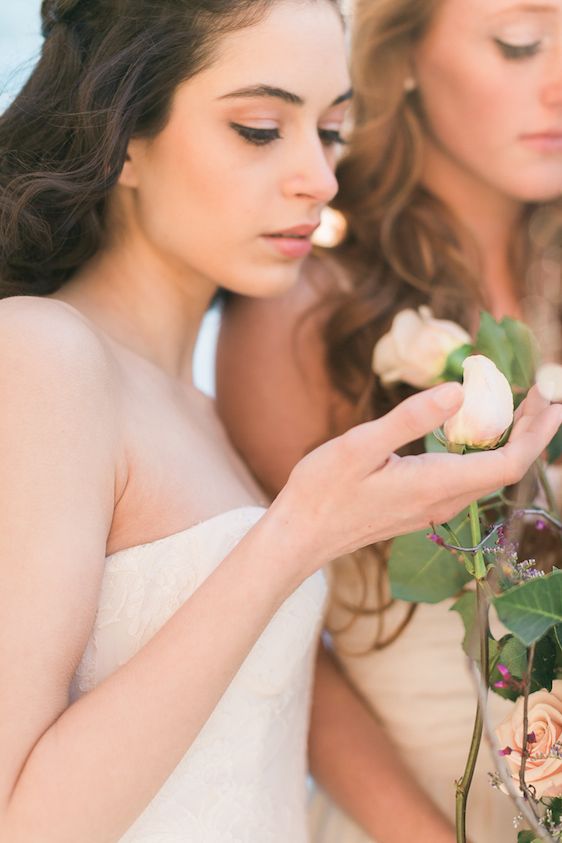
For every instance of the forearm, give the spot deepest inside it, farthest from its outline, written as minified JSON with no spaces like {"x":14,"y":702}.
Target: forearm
{"x":94,"y":771}
{"x":355,"y":762}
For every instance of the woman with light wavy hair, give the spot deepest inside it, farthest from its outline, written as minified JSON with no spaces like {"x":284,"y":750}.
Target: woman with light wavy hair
{"x":449,"y":193}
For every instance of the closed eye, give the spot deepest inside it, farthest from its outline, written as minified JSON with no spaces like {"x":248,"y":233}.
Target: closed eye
{"x":259,"y":137}
{"x":518,"y":51}
{"x":330,"y":137}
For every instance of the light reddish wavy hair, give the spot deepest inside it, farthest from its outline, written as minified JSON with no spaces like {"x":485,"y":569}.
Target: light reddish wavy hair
{"x":403,"y":246}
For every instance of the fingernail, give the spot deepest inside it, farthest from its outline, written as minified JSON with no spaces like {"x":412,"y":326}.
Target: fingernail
{"x":447,"y":396}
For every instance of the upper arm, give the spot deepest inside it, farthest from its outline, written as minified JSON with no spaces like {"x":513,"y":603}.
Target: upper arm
{"x":58,"y":454}
{"x":273,"y":390}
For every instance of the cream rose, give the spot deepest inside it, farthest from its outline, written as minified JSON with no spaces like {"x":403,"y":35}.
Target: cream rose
{"x":549,"y":381}
{"x":543,"y":770}
{"x":487,"y":408}
{"x":416,"y":348}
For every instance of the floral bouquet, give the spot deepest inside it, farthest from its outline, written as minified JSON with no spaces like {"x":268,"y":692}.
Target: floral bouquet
{"x":480,"y":555}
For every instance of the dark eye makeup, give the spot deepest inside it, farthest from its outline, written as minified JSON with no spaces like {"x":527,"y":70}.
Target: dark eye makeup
{"x":518,"y":51}
{"x":261,"y":137}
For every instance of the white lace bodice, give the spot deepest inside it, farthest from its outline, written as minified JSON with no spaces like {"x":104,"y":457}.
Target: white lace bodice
{"x":244,"y":778}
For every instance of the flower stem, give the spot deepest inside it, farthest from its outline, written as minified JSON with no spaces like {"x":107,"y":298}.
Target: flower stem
{"x":547,"y":488}
{"x":482,"y":604}
{"x":525,"y":737}
{"x":476,"y":536}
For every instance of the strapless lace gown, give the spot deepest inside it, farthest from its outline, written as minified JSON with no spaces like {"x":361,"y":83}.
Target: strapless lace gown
{"x":422,"y":692}
{"x":244,"y":778}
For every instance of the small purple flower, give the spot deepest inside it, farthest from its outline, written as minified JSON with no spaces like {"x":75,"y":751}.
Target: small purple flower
{"x":531,"y":737}
{"x":506,"y":751}
{"x":507,"y":679}
{"x":435,"y":537}
{"x":540,"y":524}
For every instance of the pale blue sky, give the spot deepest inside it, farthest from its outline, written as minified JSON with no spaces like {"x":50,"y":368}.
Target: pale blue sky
{"x":20,"y":43}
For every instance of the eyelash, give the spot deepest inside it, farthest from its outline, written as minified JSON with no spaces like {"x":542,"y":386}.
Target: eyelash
{"x":525,"y":51}
{"x":261,"y":137}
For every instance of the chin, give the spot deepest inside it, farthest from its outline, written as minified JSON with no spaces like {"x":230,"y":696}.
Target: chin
{"x":267,"y":282}
{"x":538,"y":189}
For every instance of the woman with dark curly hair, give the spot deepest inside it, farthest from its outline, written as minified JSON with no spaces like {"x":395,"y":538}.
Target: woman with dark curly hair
{"x":450,"y":193}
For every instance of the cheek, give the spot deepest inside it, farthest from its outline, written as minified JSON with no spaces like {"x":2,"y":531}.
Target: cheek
{"x":466,"y":105}
{"x":190,"y":199}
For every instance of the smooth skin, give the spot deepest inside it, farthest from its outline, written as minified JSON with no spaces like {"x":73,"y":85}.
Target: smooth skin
{"x":105,"y":443}
{"x":489,"y":74}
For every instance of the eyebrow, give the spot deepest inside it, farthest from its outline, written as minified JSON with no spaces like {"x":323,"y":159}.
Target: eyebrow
{"x":528,"y":7}
{"x":278,"y":93}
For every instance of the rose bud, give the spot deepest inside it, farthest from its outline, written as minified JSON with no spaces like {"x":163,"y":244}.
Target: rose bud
{"x":487,"y":408}
{"x":416,"y":349}
{"x":549,"y":381}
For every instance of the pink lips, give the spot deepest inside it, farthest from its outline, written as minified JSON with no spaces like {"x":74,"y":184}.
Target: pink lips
{"x":292,"y":242}
{"x":544,"y":141}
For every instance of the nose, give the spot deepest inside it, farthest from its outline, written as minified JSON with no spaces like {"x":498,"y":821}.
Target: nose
{"x":551,"y":92}
{"x":311,"y":172}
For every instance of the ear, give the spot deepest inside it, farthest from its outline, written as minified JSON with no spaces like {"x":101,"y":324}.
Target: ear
{"x":129,"y":176}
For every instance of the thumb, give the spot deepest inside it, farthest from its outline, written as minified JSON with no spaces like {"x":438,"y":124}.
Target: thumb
{"x":417,"y":416}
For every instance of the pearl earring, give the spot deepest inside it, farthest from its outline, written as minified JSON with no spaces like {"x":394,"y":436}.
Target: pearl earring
{"x":410,"y":84}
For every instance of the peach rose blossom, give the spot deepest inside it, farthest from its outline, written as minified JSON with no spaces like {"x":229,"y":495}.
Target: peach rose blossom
{"x":543,"y":770}
{"x":416,"y":348}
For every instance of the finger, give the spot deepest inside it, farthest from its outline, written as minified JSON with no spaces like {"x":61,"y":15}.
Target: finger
{"x":532,"y":404}
{"x":509,"y":464}
{"x":410,"y":420}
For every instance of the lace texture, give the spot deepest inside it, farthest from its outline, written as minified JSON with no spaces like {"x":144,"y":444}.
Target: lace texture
{"x":243,"y":780}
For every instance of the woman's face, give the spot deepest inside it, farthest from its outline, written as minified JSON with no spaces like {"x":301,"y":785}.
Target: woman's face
{"x":232,"y":188}
{"x":490,"y":80}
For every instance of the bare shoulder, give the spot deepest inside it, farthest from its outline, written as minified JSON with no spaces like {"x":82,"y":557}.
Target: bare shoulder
{"x":46,"y":341}
{"x":59,"y":384}
{"x":52,"y":331}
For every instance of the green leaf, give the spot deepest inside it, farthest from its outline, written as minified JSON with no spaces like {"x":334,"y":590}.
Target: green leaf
{"x":529,"y":610}
{"x":422,"y":572}
{"x":554,"y":450}
{"x":525,"y":352}
{"x":527,"y":837}
{"x":493,"y":342}
{"x":513,"y":654}
{"x":466,"y":607}
{"x":557,"y":632}
{"x":453,"y":370}
{"x":555,"y":805}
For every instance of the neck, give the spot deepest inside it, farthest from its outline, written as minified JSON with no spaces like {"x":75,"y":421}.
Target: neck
{"x":489,"y":217}
{"x":144,"y":303}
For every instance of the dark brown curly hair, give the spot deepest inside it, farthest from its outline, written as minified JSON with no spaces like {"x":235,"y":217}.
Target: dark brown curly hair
{"x":107,"y":72}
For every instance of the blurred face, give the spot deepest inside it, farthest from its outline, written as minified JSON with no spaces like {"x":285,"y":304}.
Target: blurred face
{"x":490,"y":79}
{"x":233,"y":186}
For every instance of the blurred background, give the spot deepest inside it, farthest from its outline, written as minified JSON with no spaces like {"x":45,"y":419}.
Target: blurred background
{"x":20,"y":42}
